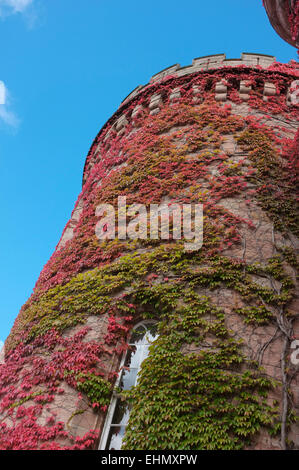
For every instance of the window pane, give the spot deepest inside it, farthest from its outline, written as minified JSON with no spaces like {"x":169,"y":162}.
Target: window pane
{"x":151,"y":334}
{"x":145,"y":351}
{"x":141,"y":339}
{"x":137,"y":335}
{"x":134,"y":357}
{"x":115,"y":437}
{"x":128,"y":379}
{"x":121,"y":413}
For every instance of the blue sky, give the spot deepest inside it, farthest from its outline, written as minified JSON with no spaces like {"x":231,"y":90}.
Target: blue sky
{"x":65,"y":66}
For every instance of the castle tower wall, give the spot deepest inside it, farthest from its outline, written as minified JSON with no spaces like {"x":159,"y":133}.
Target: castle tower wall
{"x":222,"y":374}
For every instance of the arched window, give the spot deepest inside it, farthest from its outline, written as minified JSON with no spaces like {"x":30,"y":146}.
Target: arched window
{"x":141,"y":338}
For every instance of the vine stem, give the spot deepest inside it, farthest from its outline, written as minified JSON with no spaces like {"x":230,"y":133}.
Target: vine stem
{"x":265,"y":346}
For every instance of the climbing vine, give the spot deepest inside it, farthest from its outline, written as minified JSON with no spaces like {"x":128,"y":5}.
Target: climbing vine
{"x":199,"y":388}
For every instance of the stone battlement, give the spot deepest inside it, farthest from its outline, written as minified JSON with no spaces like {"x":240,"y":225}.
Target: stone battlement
{"x":208,"y":62}
{"x":155,"y":100}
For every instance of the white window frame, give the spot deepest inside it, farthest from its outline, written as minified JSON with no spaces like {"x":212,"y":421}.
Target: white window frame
{"x":115,"y":395}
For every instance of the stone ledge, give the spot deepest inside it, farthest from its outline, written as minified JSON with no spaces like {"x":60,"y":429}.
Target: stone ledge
{"x":208,"y":62}
{"x":204,"y":64}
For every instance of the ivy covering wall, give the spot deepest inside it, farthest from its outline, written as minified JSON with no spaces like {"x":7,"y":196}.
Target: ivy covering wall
{"x":198,"y":389}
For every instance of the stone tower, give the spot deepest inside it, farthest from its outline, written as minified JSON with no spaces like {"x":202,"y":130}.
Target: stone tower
{"x":211,"y":332}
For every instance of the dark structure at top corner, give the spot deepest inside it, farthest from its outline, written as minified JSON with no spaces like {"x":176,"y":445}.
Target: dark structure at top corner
{"x":283,"y":16}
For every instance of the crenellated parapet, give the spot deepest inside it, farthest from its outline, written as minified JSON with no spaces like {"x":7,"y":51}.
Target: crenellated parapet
{"x":224,"y":79}
{"x":209,"y":62}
